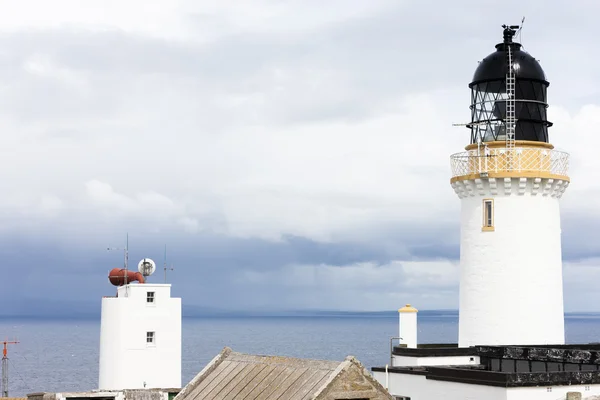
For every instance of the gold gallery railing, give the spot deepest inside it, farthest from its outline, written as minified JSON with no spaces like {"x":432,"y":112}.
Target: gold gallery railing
{"x":524,"y":159}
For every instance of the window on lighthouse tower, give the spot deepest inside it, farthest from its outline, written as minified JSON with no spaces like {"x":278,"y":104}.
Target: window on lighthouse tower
{"x":488,"y":215}
{"x":150,"y":338}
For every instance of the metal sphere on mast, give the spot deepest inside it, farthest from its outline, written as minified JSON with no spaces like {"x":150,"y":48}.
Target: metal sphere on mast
{"x":146,"y":267}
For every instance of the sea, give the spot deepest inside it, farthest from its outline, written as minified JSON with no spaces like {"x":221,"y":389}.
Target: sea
{"x":61,"y":355}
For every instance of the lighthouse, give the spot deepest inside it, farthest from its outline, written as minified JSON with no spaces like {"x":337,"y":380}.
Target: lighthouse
{"x":509,"y":180}
{"x":140,"y":333}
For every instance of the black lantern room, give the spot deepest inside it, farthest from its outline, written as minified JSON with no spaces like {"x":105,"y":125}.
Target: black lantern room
{"x":488,"y":95}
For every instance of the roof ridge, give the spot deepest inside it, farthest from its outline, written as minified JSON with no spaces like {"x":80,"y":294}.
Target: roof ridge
{"x":276,"y":358}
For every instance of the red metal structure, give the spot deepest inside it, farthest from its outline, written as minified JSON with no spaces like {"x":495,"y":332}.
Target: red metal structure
{"x":5,"y":366}
{"x":117,"y":276}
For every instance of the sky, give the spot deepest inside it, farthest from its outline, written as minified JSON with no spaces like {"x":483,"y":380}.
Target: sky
{"x":290,"y":154}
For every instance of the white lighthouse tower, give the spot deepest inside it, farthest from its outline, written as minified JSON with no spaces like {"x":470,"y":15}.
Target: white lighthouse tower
{"x":509,"y":181}
{"x":140,"y":334}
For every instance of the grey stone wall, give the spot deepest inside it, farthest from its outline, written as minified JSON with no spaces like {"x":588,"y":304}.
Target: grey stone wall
{"x":144,"y":395}
{"x":353,"y":382}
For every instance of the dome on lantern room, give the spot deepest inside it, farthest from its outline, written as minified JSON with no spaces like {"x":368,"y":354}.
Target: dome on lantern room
{"x":489,"y":95}
{"x":494,"y":66}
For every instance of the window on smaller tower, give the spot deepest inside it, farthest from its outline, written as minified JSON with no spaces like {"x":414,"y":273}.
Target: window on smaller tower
{"x":150,"y":338}
{"x":150,"y":297}
{"x":488,"y":215}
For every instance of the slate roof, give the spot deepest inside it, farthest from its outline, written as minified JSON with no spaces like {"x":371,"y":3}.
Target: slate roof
{"x":238,"y":376}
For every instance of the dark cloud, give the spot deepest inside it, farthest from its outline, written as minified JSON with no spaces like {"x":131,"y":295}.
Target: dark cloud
{"x":579,"y":240}
{"x":208,"y":266}
{"x":205,"y":265}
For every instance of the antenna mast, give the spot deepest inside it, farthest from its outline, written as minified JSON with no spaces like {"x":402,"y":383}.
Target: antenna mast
{"x":165,"y":264}
{"x":5,"y":366}
{"x":125,"y":256}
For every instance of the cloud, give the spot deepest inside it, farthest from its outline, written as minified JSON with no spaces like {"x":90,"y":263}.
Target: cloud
{"x":102,"y":195}
{"x":268,"y":143}
{"x":374,"y":284}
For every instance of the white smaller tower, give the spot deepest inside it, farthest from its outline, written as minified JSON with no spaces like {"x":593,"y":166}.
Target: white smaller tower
{"x":408,"y":326}
{"x":140,"y":334}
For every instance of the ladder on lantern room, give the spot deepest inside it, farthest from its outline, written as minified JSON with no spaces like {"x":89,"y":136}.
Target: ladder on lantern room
{"x":510,"y":120}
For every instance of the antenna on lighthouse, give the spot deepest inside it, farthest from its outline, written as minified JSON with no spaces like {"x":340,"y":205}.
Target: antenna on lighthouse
{"x":5,"y":366}
{"x":125,"y":254}
{"x":165,"y":264}
{"x":520,"y":31}
{"x":125,"y":257}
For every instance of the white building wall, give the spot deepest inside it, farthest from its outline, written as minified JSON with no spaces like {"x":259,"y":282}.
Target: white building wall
{"x":511,"y":289}
{"x":413,"y":386}
{"x":418,"y":388}
{"x":552,"y":393}
{"x":404,"y":361}
{"x":127,"y":361}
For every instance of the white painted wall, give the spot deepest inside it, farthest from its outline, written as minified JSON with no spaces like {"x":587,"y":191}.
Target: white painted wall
{"x":555,"y":393}
{"x":403,"y":361}
{"x":418,"y":388}
{"x":511,"y":288}
{"x":126,"y":360}
{"x":413,"y":386}
{"x":408,"y":328}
